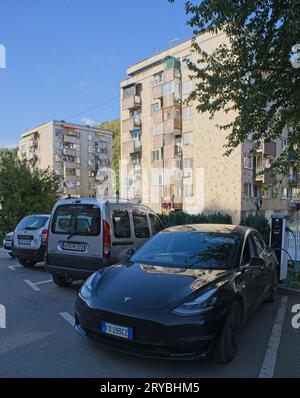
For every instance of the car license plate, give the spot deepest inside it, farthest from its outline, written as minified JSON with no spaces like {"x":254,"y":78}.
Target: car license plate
{"x":24,"y":242}
{"x":116,"y":330}
{"x":74,"y":247}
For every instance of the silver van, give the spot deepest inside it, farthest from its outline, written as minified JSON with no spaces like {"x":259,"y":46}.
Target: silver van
{"x":87,"y":234}
{"x":30,"y":238}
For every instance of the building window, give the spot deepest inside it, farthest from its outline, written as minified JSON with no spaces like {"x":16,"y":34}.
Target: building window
{"x":129,"y":91}
{"x":255,"y":191}
{"x":128,"y":182}
{"x":158,"y":79}
{"x":188,"y":138}
{"x":187,"y":112}
{"x":186,"y":60}
{"x":187,"y":87}
{"x":247,"y":190}
{"x":188,"y":191}
{"x":157,"y":155}
{"x":187,"y":167}
{"x":158,"y":179}
{"x":155,"y":107}
{"x":247,"y":161}
{"x":284,"y":143}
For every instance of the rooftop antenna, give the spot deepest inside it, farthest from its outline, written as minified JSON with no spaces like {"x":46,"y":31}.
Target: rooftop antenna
{"x":173,"y":41}
{"x":156,"y":50}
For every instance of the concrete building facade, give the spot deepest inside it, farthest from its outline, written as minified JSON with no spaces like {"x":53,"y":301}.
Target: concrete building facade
{"x":172,"y":155}
{"x":80,"y":155}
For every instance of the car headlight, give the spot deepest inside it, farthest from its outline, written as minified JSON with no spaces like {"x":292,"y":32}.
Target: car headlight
{"x":201,"y":304}
{"x":86,"y":290}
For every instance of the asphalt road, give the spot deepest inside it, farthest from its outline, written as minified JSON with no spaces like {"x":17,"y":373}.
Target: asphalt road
{"x":39,"y":341}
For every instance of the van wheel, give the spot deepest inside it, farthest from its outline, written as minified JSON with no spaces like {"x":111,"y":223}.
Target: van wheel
{"x":61,"y":281}
{"x":228,"y":345}
{"x":26,"y":263}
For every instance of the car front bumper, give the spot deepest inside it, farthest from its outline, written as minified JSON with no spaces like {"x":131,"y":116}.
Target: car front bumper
{"x":178,"y":338}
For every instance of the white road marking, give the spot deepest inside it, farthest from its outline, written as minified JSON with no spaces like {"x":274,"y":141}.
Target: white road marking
{"x":268,"y":366}
{"x":68,"y":317}
{"x":43,"y":282}
{"x":13,"y":267}
{"x":32,"y":285}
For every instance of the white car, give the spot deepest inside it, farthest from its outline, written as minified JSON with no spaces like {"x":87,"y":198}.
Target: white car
{"x":7,"y":243}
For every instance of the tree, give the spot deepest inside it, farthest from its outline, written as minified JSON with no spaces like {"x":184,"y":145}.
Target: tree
{"x":114,"y":127}
{"x":253,"y":74}
{"x":23,"y":191}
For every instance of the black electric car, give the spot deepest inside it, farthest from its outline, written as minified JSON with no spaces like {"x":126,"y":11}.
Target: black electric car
{"x":185,"y":294}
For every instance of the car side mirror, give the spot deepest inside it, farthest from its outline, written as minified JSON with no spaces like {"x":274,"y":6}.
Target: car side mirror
{"x":257,"y":262}
{"x":129,"y":254}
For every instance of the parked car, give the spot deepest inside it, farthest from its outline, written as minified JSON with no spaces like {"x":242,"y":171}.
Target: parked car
{"x":87,"y":234}
{"x":186,"y":293}
{"x":7,"y":243}
{"x":30,"y":238}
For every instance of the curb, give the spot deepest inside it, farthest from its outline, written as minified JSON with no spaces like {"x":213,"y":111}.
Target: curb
{"x":289,"y":290}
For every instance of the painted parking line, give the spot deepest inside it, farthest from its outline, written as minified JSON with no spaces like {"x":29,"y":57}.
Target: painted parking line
{"x":68,"y":318}
{"x":34,"y":285}
{"x":14,"y":267}
{"x":268,"y":366}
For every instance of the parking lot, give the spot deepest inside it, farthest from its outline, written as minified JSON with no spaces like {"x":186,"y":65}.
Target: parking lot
{"x":39,"y":340}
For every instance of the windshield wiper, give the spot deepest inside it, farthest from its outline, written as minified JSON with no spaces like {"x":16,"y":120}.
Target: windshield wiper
{"x":73,"y":234}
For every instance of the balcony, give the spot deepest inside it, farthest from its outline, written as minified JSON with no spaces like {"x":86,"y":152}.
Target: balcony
{"x":293,"y":180}
{"x":267,"y":148}
{"x":72,"y":139}
{"x":171,"y":74}
{"x":132,"y":147}
{"x":171,"y":125}
{"x":171,"y":151}
{"x":69,"y":152}
{"x":158,"y":91}
{"x":158,"y":141}
{"x":131,"y":103}
{"x":263,"y":175}
{"x":171,"y":100}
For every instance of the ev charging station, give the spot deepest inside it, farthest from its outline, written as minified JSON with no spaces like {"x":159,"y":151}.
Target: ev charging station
{"x":279,"y":239}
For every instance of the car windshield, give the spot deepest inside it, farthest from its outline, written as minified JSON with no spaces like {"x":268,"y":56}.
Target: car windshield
{"x":33,"y":223}
{"x":196,"y":250}
{"x":77,"y":219}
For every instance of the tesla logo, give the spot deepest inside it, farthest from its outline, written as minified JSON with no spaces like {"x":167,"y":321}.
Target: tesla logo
{"x":2,"y":317}
{"x":125,"y":299}
{"x":295,"y":56}
{"x":296,"y":318}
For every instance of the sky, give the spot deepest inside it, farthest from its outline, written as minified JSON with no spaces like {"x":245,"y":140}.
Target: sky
{"x":65,"y":58}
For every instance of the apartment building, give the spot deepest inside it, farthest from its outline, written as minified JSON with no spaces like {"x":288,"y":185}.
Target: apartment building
{"x":172,"y":156}
{"x":80,"y":155}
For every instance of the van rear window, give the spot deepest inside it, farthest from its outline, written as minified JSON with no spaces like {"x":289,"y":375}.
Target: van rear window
{"x":77,"y":219}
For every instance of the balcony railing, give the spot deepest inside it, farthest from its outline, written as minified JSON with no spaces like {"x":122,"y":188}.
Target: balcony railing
{"x":158,"y":91}
{"x":132,"y":102}
{"x":267,"y":148}
{"x":264,"y":175}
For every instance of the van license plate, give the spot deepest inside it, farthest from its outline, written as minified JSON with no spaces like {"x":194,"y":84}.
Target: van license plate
{"x":24,"y":242}
{"x":74,"y":247}
{"x":116,"y":330}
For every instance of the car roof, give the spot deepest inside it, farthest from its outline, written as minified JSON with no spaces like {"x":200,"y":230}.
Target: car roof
{"x":120,"y":202}
{"x":216,"y":228}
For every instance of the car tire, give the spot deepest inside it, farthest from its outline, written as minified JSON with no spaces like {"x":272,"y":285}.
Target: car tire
{"x":61,"y":281}
{"x":228,"y":344}
{"x":11,"y":255}
{"x":274,"y":289}
{"x":27,"y":263}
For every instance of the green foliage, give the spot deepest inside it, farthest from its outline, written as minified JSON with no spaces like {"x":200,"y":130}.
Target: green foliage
{"x":250,"y":75}
{"x":181,"y":218}
{"x":114,"y":127}
{"x":23,"y":191}
{"x":258,"y":222}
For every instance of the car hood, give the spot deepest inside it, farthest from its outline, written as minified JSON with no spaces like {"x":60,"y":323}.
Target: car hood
{"x":151,"y":286}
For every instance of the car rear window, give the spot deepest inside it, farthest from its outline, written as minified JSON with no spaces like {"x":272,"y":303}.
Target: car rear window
{"x":140,"y":222}
{"x":121,"y":224}
{"x":33,"y":223}
{"x":77,"y":219}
